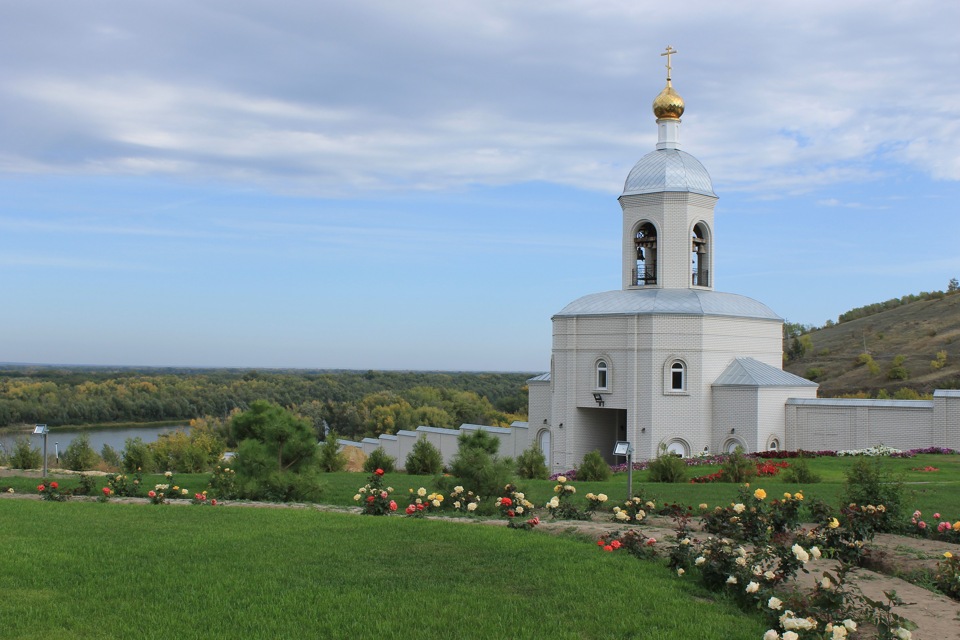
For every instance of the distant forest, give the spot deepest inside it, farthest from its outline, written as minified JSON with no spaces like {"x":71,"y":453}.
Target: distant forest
{"x":353,"y":404}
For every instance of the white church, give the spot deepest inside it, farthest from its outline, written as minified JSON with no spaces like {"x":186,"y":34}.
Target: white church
{"x":665,"y":360}
{"x":668,"y":361}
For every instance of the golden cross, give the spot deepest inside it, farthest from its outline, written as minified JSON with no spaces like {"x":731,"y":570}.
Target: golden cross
{"x":669,"y":52}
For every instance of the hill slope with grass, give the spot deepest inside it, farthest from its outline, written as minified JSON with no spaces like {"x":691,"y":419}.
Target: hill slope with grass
{"x":914,"y":346}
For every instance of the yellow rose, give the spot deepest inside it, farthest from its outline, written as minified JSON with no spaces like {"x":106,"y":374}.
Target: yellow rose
{"x":798,"y":496}
{"x":759,"y":494}
{"x":561,"y":479}
{"x":787,"y":496}
{"x":834,"y":523}
{"x":947,"y":554}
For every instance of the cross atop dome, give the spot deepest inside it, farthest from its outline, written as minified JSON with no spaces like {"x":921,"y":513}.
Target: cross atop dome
{"x":668,"y":105}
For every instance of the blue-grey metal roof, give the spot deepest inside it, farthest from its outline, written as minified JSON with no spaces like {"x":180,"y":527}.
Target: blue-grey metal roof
{"x":543,"y":377}
{"x":693,"y":302}
{"x":748,"y":372}
{"x":862,"y":402}
{"x":946,"y":393}
{"x":668,"y":170}
{"x":440,"y":430}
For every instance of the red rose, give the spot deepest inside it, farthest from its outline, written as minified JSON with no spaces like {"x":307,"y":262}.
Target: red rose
{"x":410,"y":510}
{"x":506,"y":502}
{"x":615,"y":544}
{"x":370,"y":498}
{"x":214,"y":502}
{"x":608,"y":548}
{"x":152,"y":494}
{"x":419,"y":507}
{"x":379,"y":472}
{"x":106,"y":491}
{"x":41,"y":487}
{"x":54,"y":485}
{"x":511,"y":513}
{"x":600,"y":543}
{"x":393,"y":506}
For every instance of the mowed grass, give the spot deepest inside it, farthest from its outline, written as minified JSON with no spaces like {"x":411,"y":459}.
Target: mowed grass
{"x":91,"y":570}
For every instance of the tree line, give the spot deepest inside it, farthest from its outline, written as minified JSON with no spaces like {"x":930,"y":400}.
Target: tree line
{"x":354,"y":404}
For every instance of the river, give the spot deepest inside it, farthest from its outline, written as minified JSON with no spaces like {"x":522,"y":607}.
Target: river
{"x":115,"y":437}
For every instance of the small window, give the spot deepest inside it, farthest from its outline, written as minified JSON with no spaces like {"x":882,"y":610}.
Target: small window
{"x":602,"y":374}
{"x":677,"y":377}
{"x":774,"y":444}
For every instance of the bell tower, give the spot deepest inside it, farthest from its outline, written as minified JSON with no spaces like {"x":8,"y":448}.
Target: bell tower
{"x":667,"y":204}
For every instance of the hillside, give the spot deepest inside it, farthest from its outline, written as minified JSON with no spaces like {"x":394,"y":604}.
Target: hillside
{"x":916,"y":331}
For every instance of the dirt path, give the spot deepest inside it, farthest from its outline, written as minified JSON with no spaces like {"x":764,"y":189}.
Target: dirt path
{"x":936,"y":616}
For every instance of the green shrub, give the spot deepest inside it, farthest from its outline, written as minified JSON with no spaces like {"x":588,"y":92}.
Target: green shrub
{"x":738,"y":467}
{"x":799,"y":472}
{"x":330,"y":458}
{"x":110,"y":456}
{"x":282,"y":486}
{"x":593,"y":468}
{"x":424,"y":459}
{"x":378,"y":459}
{"x":477,"y":465}
{"x":532,"y":464}
{"x":869,"y":481}
{"x":181,"y":452}
{"x":137,"y":456}
{"x":24,"y":456}
{"x":813,"y":373}
{"x":667,"y":467}
{"x":897,"y":370}
{"x":79,"y":455}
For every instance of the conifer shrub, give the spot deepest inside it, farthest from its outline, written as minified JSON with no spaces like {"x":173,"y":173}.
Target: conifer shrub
{"x":666,"y":467}
{"x":329,"y":456}
{"x":378,"y":459}
{"x":79,"y":455}
{"x":110,"y":457}
{"x":477,"y":465}
{"x":25,"y":456}
{"x":593,"y":468}
{"x":799,"y":472}
{"x":738,"y":467}
{"x":532,"y":464}
{"x":424,"y":459}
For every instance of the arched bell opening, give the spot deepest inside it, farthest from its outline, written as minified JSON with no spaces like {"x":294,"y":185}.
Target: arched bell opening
{"x":645,"y":240}
{"x":700,"y":253}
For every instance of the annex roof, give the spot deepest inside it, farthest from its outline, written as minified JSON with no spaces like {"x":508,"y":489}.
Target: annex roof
{"x":749,"y":372}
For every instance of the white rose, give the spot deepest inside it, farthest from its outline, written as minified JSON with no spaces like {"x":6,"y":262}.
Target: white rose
{"x":815,"y":552}
{"x":732,"y":580}
{"x":801,"y":555}
{"x":775,"y":603}
{"x":699,"y":561}
{"x":771,"y":635}
{"x":753,"y":587}
{"x":790,"y":635}
{"x":850,"y":624}
{"x":903,"y":634}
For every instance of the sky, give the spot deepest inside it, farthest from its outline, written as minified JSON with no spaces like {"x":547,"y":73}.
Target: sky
{"x":384,"y":185}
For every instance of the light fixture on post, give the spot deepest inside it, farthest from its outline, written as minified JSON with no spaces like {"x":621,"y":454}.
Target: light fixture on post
{"x":41,"y":430}
{"x":599,"y":399}
{"x":624,"y":448}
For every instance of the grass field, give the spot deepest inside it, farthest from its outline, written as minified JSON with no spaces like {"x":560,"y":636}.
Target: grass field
{"x":90,"y":570}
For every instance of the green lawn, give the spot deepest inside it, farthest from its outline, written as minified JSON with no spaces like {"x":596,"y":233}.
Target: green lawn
{"x":90,"y":570}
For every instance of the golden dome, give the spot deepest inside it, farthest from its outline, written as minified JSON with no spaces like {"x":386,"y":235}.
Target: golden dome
{"x":668,"y":105}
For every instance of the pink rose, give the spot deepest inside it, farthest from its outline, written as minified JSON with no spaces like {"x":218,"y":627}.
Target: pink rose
{"x":41,"y":487}
{"x":152,"y":494}
{"x":393,"y":506}
{"x":379,"y":472}
{"x":54,"y":485}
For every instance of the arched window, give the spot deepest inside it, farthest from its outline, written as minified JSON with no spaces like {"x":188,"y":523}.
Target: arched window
{"x":700,"y":251}
{"x":602,"y":374}
{"x":678,"y":378}
{"x":774,"y":444}
{"x":645,"y":240}
{"x":678,"y":447}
